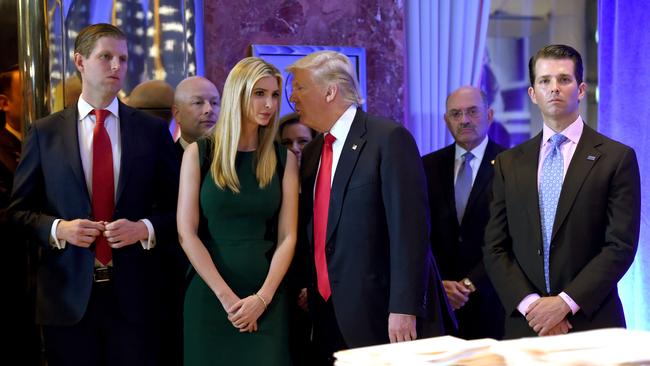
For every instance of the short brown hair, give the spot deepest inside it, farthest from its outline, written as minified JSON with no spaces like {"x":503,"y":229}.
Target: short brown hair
{"x":557,"y":52}
{"x":87,"y":38}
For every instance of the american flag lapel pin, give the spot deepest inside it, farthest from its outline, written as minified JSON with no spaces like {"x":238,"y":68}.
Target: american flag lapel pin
{"x":591,"y":157}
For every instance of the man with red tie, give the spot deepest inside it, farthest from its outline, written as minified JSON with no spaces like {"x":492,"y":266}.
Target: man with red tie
{"x":96,"y":190}
{"x":364,"y":203}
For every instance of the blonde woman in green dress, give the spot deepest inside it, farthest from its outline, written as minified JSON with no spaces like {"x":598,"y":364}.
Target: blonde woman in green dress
{"x":237,"y":218}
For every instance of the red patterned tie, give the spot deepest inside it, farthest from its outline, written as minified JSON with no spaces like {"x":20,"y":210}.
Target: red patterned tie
{"x":103,"y":183}
{"x":321,"y":208}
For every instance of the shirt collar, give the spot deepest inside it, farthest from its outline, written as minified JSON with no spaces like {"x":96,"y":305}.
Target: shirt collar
{"x":572,"y":132}
{"x":478,"y":151}
{"x":16,"y":134}
{"x":183,"y":143}
{"x":342,"y":125}
{"x":85,"y":108}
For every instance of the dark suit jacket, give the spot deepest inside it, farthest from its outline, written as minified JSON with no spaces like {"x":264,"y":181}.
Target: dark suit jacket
{"x":377,"y":247}
{"x":595,"y":234}
{"x":179,"y":150}
{"x":9,"y":156}
{"x":50,"y":184}
{"x":458,"y":248}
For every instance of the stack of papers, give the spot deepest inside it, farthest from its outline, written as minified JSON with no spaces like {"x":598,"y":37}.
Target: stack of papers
{"x":603,"y":347}
{"x":429,"y":351}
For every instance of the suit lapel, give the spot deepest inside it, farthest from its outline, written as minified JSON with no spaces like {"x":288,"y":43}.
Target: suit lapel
{"x":70,"y":143}
{"x":526,"y":174}
{"x":584,"y":158}
{"x":483,"y":176}
{"x":447,"y":173}
{"x":309,"y":168}
{"x":352,"y":148}
{"x":126,"y":138}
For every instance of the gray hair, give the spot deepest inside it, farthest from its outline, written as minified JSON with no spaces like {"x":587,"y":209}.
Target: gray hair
{"x":332,"y":67}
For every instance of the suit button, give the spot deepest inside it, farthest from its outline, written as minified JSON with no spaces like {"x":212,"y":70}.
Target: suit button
{"x":460,"y":239}
{"x":329,"y":250}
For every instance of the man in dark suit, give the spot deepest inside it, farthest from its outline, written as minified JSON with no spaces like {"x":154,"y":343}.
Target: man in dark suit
{"x":16,"y":273}
{"x":564,"y":224}
{"x":96,"y":189}
{"x":11,"y":103}
{"x":374,"y":279}
{"x":459,"y":179}
{"x":196,"y":109}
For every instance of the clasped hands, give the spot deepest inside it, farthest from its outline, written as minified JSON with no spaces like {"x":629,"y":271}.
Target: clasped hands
{"x":243,"y":313}
{"x":548,"y":316}
{"x":119,"y":233}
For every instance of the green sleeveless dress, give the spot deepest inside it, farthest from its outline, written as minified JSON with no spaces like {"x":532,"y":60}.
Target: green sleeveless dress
{"x":240,"y":231}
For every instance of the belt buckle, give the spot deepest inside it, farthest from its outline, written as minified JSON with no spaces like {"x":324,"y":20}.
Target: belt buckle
{"x":102,"y":274}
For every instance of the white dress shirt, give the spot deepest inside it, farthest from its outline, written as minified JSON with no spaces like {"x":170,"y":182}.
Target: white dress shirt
{"x":340,"y":130}
{"x":85,"y":128}
{"x":475,"y":163}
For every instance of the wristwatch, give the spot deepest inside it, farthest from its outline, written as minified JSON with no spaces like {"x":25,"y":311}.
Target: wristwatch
{"x":467,"y":283}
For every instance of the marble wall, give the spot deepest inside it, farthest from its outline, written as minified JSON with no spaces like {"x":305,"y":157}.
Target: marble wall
{"x":376,"y":25}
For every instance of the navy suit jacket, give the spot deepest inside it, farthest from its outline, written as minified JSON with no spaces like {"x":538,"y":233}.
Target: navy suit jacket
{"x":595,"y":233}
{"x":377,"y":247}
{"x":458,"y":247}
{"x":50,"y":184}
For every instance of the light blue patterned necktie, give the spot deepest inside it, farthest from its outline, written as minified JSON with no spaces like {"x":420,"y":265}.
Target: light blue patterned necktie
{"x":463,"y":185}
{"x":549,"y":194}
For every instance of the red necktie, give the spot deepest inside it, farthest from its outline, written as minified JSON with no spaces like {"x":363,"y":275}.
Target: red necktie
{"x":321,"y":208}
{"x":103,"y":183}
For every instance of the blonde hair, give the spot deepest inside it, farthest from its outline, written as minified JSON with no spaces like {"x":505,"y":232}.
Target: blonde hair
{"x":332,"y":67}
{"x":235,"y":107}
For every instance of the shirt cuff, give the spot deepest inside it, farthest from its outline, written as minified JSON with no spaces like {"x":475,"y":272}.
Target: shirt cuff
{"x":569,"y":301}
{"x":150,"y":242}
{"x":54,"y":242}
{"x":526,"y":302}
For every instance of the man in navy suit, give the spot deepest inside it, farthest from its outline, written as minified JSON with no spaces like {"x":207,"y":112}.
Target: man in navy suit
{"x":364,"y":202}
{"x":96,"y":189}
{"x":459,"y":179}
{"x":565,"y":217}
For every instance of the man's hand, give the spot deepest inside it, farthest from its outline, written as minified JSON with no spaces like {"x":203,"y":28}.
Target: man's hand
{"x":457,"y":293}
{"x":123,"y":232}
{"x":79,"y":232}
{"x":401,"y":327}
{"x":562,"y":327}
{"x":302,"y":300}
{"x":545,"y":313}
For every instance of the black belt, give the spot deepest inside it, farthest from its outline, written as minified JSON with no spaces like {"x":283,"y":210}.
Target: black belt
{"x":102,"y":274}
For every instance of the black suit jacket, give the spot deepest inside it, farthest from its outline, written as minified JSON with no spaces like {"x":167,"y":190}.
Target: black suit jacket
{"x":595,"y":233}
{"x":377,"y":247}
{"x":50,"y":184}
{"x":9,"y":156}
{"x":458,"y":247}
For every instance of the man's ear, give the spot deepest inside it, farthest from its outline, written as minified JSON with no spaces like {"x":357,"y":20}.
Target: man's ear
{"x":79,"y":62}
{"x":332,"y":89}
{"x":531,"y":94}
{"x":4,"y":102}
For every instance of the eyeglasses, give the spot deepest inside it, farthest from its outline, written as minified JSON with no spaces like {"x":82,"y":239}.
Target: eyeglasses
{"x":457,"y":114}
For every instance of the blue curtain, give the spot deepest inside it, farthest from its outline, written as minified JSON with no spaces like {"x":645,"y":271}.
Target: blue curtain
{"x":623,"y":112}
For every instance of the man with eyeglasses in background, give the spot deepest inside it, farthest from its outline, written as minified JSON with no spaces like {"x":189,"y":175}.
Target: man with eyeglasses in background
{"x":459,"y":181}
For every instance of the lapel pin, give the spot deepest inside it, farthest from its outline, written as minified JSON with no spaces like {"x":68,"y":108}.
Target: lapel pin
{"x":354,"y":147}
{"x":492,"y":162}
{"x":591,"y":157}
